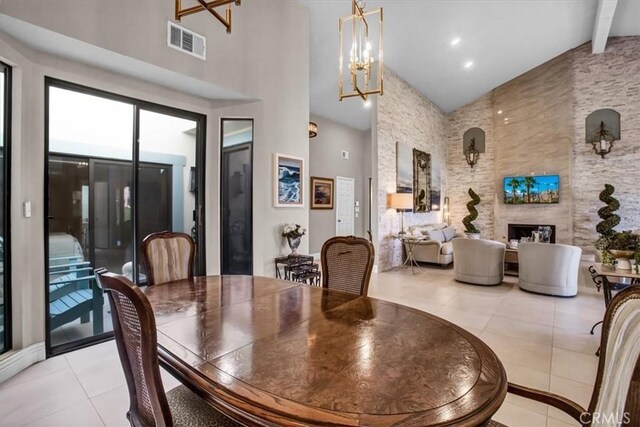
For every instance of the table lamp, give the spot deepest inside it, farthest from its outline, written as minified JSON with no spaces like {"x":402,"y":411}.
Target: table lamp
{"x":400,"y":202}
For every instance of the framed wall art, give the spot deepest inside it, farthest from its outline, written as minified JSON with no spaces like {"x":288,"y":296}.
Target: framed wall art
{"x":321,"y":193}
{"x":404,"y":171}
{"x":421,"y":181}
{"x":288,"y":188}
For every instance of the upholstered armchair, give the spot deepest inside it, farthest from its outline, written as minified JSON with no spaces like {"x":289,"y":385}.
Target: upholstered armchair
{"x":480,"y":262}
{"x":550,"y":269}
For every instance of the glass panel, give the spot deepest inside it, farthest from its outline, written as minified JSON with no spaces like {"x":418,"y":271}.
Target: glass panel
{"x":3,"y":162}
{"x":90,"y":210}
{"x":236,"y":183}
{"x":167,"y":181}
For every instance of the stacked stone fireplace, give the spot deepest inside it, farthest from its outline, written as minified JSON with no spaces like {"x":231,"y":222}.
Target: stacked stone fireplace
{"x":517,"y":231}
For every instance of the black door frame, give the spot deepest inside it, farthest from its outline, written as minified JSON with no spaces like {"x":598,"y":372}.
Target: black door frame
{"x":137,"y":104}
{"x":6,"y":237}
{"x":222,"y":172}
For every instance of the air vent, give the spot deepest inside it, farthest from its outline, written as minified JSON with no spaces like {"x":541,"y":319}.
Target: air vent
{"x":186,"y":41}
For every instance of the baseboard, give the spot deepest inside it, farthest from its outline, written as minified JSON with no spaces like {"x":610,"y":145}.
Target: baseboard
{"x":17,"y":361}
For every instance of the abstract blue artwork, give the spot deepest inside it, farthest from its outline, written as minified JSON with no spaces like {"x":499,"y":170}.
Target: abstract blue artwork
{"x":289,"y":173}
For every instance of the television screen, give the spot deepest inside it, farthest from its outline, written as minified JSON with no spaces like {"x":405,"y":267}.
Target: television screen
{"x":520,"y":190}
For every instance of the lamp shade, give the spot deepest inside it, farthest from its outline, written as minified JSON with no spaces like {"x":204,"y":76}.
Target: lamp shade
{"x":400,"y":201}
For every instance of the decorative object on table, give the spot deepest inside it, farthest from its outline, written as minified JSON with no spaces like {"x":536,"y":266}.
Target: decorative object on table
{"x":421,"y":181}
{"x":544,"y":234}
{"x":401,"y":202}
{"x":404,"y":168}
{"x":313,"y":130}
{"x":540,"y":189}
{"x":513,"y":244}
{"x":436,"y":198}
{"x":293,"y":233}
{"x":623,"y":246}
{"x":361,"y":52}
{"x":208,"y":7}
{"x":470,"y":229}
{"x":602,"y":129}
{"x":288,"y":189}
{"x":321,"y":193}
{"x":473,"y":143}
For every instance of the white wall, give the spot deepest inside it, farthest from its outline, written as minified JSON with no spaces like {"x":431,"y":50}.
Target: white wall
{"x":325,"y":161}
{"x":272,"y":35}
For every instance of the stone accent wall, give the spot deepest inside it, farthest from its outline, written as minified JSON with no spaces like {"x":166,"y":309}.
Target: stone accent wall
{"x":481,"y":178}
{"x":607,"y":80}
{"x":547,"y":108}
{"x":534,"y":137}
{"x":405,"y":115}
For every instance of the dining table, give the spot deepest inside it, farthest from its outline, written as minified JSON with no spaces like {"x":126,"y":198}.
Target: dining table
{"x":269,"y":352}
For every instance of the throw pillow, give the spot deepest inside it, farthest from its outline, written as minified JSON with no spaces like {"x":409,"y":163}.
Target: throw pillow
{"x":436,"y":235}
{"x":449,"y":233}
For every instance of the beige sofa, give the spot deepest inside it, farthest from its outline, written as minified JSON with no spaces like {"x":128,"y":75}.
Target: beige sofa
{"x":438,"y":248}
{"x":480,"y":262}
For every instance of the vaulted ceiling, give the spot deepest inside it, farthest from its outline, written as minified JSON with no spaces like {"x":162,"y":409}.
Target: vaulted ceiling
{"x":502,"y":39}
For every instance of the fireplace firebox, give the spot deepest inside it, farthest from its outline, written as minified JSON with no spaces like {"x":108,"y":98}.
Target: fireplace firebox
{"x":517,"y":231}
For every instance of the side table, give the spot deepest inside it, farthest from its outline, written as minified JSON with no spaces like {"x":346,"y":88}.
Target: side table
{"x":298,"y":268}
{"x":511,"y":262}
{"x":409,"y":243}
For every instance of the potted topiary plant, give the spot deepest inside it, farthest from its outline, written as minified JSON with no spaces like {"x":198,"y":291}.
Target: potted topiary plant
{"x":470,"y":229}
{"x":606,"y":227}
{"x":624,"y":246}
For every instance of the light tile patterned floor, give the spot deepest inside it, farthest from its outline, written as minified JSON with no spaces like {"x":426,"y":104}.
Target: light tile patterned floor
{"x":543,"y":342}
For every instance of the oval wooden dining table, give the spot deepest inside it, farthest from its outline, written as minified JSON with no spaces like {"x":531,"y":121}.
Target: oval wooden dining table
{"x":271,"y":352}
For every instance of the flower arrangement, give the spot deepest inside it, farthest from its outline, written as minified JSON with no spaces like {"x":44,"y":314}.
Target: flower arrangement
{"x":293,"y":230}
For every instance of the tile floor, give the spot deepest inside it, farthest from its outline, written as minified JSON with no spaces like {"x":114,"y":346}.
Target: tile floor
{"x":543,"y":342}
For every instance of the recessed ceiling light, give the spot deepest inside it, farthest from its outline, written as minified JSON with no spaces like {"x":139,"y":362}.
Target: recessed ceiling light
{"x":499,"y":111}
{"x":455,"y":41}
{"x":468,"y":64}
{"x":506,"y":118}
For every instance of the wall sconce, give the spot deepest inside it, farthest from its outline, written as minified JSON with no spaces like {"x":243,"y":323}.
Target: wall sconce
{"x":313,"y":130}
{"x":473,"y":145}
{"x":209,"y":7}
{"x":446,"y":212}
{"x":400,"y":202}
{"x":364,"y":46}
{"x":602,"y":130}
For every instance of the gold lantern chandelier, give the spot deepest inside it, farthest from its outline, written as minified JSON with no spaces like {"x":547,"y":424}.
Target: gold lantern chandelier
{"x":363,"y":47}
{"x":209,"y":7}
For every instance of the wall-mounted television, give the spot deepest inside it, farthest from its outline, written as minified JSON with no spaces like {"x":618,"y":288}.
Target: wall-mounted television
{"x":522,"y":190}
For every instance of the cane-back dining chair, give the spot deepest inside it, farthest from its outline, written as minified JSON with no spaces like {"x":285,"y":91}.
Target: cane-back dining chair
{"x":616,"y":395}
{"x":134,"y":327}
{"x":347,"y":262}
{"x":168,"y":256}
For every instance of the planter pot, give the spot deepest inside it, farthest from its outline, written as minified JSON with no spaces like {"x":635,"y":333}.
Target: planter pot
{"x":472,"y":235}
{"x":294,"y":243}
{"x":623,"y":259}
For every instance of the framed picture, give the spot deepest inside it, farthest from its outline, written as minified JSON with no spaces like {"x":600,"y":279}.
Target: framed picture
{"x":421,"y":181}
{"x":288,"y":191}
{"x":321,"y":193}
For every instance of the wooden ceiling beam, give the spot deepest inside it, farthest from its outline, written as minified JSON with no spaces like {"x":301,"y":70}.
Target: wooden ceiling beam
{"x":602,"y":26}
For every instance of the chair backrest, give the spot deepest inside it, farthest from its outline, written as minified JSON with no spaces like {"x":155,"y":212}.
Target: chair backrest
{"x":347,"y":262}
{"x":616,"y":394}
{"x":134,"y":327}
{"x":168,"y":256}
{"x":478,"y":256}
{"x":561,"y":263}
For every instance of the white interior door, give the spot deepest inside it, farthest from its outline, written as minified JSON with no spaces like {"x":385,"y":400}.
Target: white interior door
{"x":345,"y":200}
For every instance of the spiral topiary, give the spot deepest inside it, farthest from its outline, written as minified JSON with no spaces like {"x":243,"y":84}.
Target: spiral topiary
{"x":473,"y":213}
{"x":609,"y":219}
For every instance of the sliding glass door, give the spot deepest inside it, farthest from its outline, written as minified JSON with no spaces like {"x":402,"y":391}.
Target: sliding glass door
{"x":118,"y":170}
{"x":5,"y":135}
